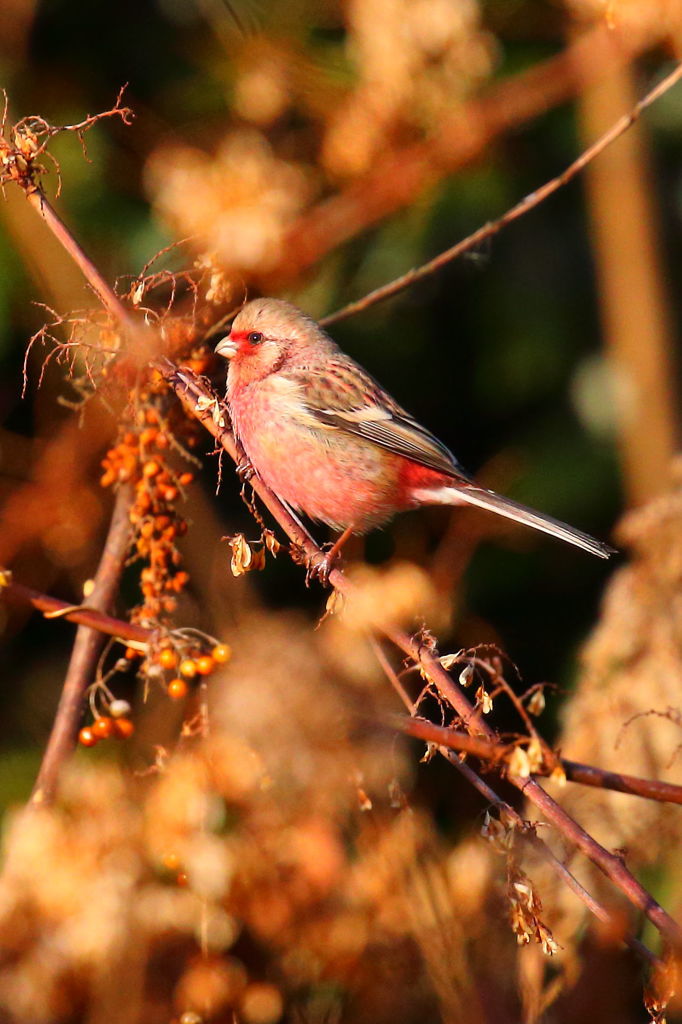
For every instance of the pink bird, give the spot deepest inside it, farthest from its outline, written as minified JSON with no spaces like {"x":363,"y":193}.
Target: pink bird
{"x":330,"y":442}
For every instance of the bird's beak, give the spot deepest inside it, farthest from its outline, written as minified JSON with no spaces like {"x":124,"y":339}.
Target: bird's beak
{"x":226,"y":348}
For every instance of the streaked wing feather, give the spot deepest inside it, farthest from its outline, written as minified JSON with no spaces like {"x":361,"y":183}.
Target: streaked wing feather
{"x":343,"y":396}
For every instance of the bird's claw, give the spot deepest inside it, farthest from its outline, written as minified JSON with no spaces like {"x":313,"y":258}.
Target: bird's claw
{"x":320,"y":564}
{"x":245,"y":470}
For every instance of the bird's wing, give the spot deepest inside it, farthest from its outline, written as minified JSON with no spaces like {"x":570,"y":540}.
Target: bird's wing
{"x":341,"y":395}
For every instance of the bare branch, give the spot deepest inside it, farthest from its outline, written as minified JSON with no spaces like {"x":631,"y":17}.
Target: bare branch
{"x":527,"y":204}
{"x":84,"y":615}
{"x":396,"y":180}
{"x":85,"y":653}
{"x":497,"y":752}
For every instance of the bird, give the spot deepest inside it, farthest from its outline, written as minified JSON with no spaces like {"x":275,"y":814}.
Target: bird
{"x":331,"y":443}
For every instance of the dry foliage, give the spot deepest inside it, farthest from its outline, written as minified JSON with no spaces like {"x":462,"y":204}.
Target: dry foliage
{"x":264,"y":848}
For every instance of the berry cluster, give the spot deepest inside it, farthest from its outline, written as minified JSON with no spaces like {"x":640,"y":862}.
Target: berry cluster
{"x":184,"y":664}
{"x":175,"y":665}
{"x":114,"y":725}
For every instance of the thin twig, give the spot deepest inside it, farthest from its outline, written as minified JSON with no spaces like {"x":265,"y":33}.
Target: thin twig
{"x":100,"y":286}
{"x":528,"y":203}
{"x":85,"y":652}
{"x":481,"y":748}
{"x":529,"y":835}
{"x":398,"y":178}
{"x":83,"y":615}
{"x":494,"y":753}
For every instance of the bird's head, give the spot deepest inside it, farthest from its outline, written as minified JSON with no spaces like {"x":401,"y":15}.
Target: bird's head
{"x":266,"y":334}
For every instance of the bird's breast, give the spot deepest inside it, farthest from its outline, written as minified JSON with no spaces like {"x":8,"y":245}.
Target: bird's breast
{"x":329,"y":474}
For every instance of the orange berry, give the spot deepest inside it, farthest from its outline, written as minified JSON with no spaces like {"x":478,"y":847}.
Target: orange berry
{"x":181,"y":879}
{"x":177,"y":689}
{"x":170,"y":494}
{"x":87,"y":737}
{"x":167,"y":658}
{"x":122,"y":728}
{"x":107,"y":479}
{"x":221,"y":653}
{"x":129,"y":438}
{"x":171,"y":862}
{"x":151,"y":468}
{"x":102,"y":727}
{"x":148,"y":435}
{"x":188,"y":668}
{"x":131,"y":653}
{"x":185,"y":479}
{"x":161,"y":441}
{"x":205,"y":665}
{"x":151,"y":416}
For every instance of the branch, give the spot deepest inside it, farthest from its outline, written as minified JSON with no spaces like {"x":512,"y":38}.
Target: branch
{"x":527,"y":204}
{"x":197,"y":397}
{"x":54,"y":608}
{"x":496,"y":753}
{"x":103,"y":290}
{"x":86,"y":650}
{"x":528,"y":833}
{"x":396,"y":180}
{"x":505,"y":811}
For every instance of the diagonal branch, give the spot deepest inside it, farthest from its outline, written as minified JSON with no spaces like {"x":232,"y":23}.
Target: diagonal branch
{"x":480,"y":749}
{"x":527,"y":204}
{"x":86,"y":650}
{"x":105,"y":293}
{"x":397,"y":179}
{"x":496,"y":753}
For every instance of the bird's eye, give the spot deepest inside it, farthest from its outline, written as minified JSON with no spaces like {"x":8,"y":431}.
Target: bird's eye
{"x":255,"y":337}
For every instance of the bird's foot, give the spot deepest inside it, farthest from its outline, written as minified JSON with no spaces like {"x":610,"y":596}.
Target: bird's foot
{"x":320,"y":566}
{"x":245,"y":470}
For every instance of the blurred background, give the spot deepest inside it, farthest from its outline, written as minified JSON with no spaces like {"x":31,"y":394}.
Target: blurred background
{"x":315,"y":151}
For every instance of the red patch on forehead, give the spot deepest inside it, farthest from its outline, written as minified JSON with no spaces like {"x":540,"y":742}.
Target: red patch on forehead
{"x":240,"y":337}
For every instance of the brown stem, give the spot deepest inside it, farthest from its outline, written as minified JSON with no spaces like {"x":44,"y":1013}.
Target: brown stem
{"x":396,"y":180}
{"x":101,"y":287}
{"x":540,"y":846}
{"x":524,"y":206}
{"x":585,"y":774}
{"x":54,"y":608}
{"x":86,"y":650}
{"x":530,"y":836}
{"x":202,"y":403}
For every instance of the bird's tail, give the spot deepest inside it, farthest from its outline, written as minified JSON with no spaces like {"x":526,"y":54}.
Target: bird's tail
{"x":470,"y":494}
